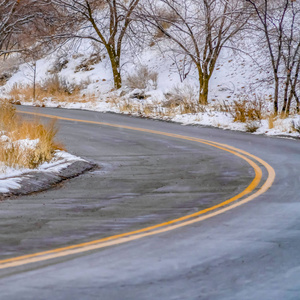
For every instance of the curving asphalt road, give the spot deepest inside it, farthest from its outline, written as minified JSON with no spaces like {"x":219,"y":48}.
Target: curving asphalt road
{"x":249,"y":252}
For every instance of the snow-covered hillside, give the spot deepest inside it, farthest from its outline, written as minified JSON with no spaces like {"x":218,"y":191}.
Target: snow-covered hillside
{"x":237,"y":76}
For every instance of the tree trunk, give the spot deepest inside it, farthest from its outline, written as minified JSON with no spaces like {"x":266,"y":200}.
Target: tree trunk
{"x":286,"y":102}
{"x":34,"y":82}
{"x":298,"y":103}
{"x":203,"y":93}
{"x":203,"y":89}
{"x":115,"y":65}
{"x":276,"y":95}
{"x":291,"y":95}
{"x":117,"y":77}
{"x":288,"y":106}
{"x":294,"y":84}
{"x":296,"y":98}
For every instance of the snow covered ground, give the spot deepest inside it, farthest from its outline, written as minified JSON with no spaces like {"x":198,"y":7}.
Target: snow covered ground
{"x":11,"y":178}
{"x":237,"y":76}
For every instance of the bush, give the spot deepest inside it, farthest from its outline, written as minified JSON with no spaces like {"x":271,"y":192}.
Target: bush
{"x":142,"y":78}
{"x":184,"y":97}
{"x":245,"y":110}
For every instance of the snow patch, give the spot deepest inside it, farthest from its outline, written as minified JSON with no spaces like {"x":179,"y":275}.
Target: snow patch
{"x":11,"y":177}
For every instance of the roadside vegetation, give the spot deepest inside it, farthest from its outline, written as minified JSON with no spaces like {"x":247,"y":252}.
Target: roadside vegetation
{"x":23,"y":143}
{"x":181,"y":105}
{"x":57,"y":88}
{"x":118,"y":55}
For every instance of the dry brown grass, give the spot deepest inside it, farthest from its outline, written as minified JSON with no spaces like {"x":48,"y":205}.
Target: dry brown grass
{"x":147,"y":110}
{"x":126,"y":106}
{"x":113,"y":100}
{"x":244,"y":110}
{"x":21,"y":92}
{"x":12,"y":153}
{"x":271,"y":119}
{"x":54,"y":87}
{"x":142,"y":78}
{"x":221,"y":107}
{"x":183,"y":100}
{"x":190,"y":107}
{"x":8,"y":118}
{"x":180,"y":101}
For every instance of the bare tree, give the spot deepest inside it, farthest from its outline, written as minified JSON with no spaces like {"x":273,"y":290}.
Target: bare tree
{"x":199,"y":29}
{"x":15,"y":17}
{"x":279,"y":23}
{"x":291,"y":57}
{"x":103,"y":21}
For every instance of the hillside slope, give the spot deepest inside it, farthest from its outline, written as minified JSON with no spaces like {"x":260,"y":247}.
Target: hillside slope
{"x":152,"y":87}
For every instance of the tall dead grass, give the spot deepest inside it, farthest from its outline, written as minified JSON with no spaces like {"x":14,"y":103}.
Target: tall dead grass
{"x":13,"y":153}
{"x":142,"y":78}
{"x":55,"y":87}
{"x":244,"y":110}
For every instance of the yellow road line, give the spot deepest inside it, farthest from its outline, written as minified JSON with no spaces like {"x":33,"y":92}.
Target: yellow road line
{"x":163,"y":227}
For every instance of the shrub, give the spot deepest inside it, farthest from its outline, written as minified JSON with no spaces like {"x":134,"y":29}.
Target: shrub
{"x":185,"y":98}
{"x":183,"y":92}
{"x":244,"y":110}
{"x":142,"y":78}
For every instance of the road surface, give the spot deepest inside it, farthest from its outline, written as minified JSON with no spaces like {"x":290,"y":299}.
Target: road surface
{"x":248,"y":252}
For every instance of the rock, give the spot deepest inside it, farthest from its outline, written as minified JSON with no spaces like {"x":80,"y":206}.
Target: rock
{"x":123,"y":93}
{"x":138,"y":94}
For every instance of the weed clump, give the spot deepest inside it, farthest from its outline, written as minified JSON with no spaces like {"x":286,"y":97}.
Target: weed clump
{"x":23,"y":143}
{"x":142,"y":78}
{"x":57,"y":88}
{"x":245,"y":110}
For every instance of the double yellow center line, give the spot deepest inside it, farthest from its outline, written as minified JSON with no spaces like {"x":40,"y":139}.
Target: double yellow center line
{"x":250,"y":193}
